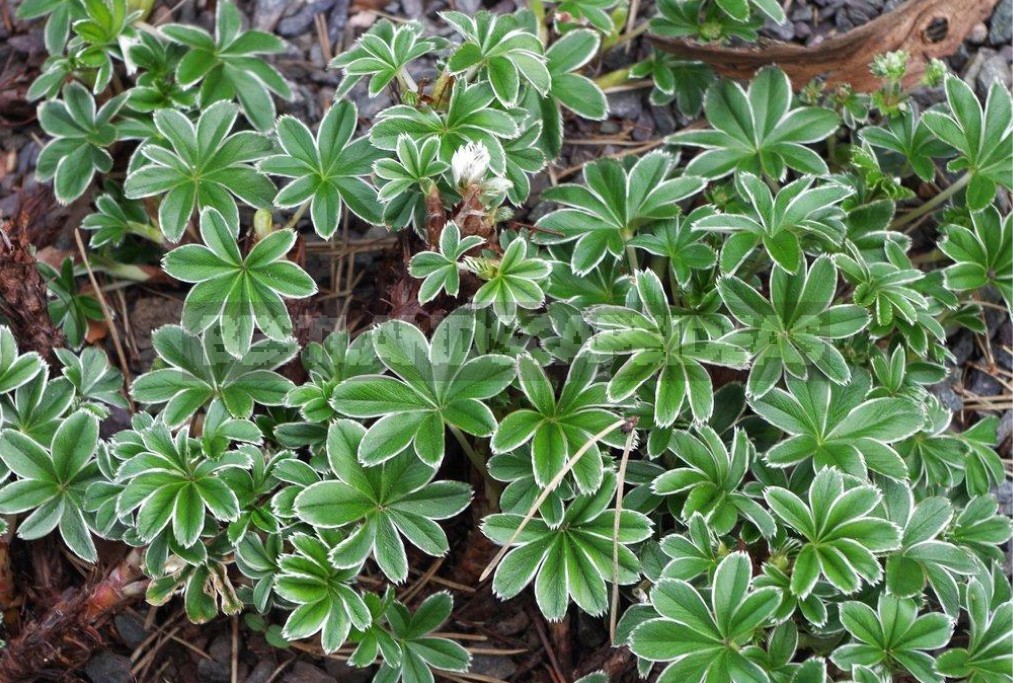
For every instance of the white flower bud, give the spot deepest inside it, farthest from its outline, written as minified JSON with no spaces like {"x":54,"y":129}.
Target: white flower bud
{"x":470,"y":163}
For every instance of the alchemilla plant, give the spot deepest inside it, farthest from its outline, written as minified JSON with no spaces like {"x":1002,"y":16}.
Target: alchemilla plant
{"x":693,"y":395}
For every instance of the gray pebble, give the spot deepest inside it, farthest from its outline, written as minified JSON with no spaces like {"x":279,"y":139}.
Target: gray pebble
{"x":213,"y":671}
{"x":626,"y":105}
{"x":1001,"y":25}
{"x":994,"y":69}
{"x":266,"y":13}
{"x":302,"y":21}
{"x":977,"y":34}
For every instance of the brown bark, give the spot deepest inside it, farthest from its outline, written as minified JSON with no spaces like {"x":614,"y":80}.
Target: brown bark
{"x":926,"y":29}
{"x":23,"y":300}
{"x":64,"y":638}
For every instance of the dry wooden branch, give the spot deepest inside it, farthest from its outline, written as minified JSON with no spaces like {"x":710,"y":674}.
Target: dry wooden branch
{"x":926,"y":29}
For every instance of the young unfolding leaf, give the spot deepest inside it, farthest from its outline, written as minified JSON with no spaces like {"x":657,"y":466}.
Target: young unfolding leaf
{"x":327,"y":602}
{"x":837,"y":426}
{"x":894,"y":636}
{"x":984,"y":138}
{"x":198,"y":368}
{"x":382,"y":54}
{"x":758,"y":130}
{"x":441,"y":270}
{"x":380,"y":505}
{"x":113,"y":220}
{"x":409,"y":180}
{"x":435,"y":386}
{"x":328,"y":170}
{"x":329,"y":364}
{"x":572,"y":561}
{"x":80,"y":137}
{"x":237,"y":291}
{"x":513,"y":281}
{"x":664,"y":350}
{"x":780,"y":223}
{"x":229,"y":66}
{"x":841,"y":531}
{"x":909,"y":137}
{"x":676,"y":80}
{"x":606,"y":212}
{"x":557,"y":428}
{"x":702,"y":641}
{"x":70,"y":309}
{"x":95,"y":381}
{"x":199,"y":167}
{"x":51,"y":482}
{"x":795,"y":330}
{"x":712,"y":479}
{"x":684,"y":247}
{"x":983,"y":255}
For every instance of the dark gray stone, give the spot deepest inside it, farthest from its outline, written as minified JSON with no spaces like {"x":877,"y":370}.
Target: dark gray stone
{"x":978,"y":34}
{"x":303,"y":672}
{"x":213,"y":671}
{"x":664,"y":120}
{"x":994,"y":69}
{"x":108,"y":667}
{"x":266,"y":13}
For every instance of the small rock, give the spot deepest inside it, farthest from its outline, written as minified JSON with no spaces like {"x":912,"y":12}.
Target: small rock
{"x":945,"y":393}
{"x":1001,"y":24}
{"x":977,"y":34}
{"x":262,"y":672}
{"x":982,"y":384}
{"x":301,"y":22}
{"x":644,"y":129}
{"x":609,"y":128}
{"x":785,"y":31}
{"x":1004,"y":432}
{"x":107,"y":667}
{"x":213,"y":671}
{"x":993,"y":70}
{"x":266,"y":13}
{"x":347,"y":674}
{"x":412,"y":8}
{"x":664,"y":120}
{"x":497,"y":667}
{"x":303,"y":672}
{"x":626,"y":105}
{"x":221,"y":648}
{"x":803,"y":29}
{"x":130,"y":629}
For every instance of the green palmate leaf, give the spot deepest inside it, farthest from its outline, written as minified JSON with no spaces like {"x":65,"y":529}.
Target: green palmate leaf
{"x":758,"y":130}
{"x":419,"y":650}
{"x":894,"y":636}
{"x":198,"y":369}
{"x":796,"y":330}
{"x":81,"y":133}
{"x":338,"y":358}
{"x":437,"y":384}
{"x":569,"y":89}
{"x":837,"y":426}
{"x":382,"y":55}
{"x":171,"y":486}
{"x":229,"y":66}
{"x":94,"y":380}
{"x":557,"y":428}
{"x":711,"y":479}
{"x":701,"y":641}
{"x":841,"y":531}
{"x":513,"y":281}
{"x":606,"y":212}
{"x":409,"y":180}
{"x":501,"y":50}
{"x":114,"y":219}
{"x":102,"y":36}
{"x":51,"y":482}
{"x":199,"y":167}
{"x":238,"y":292}
{"x":468,"y":118}
{"x":982,"y":136}
{"x":986,"y":656}
{"x":16,"y":369}
{"x":572,"y":561}
{"x":703,"y":20}
{"x":37,"y":408}
{"x":379,"y":506}
{"x":799,"y":212}
{"x":60,"y":14}
{"x":440,"y":271}
{"x":326,"y":601}
{"x":328,"y":170}
{"x":982,"y":466}
{"x":684,"y":247}
{"x":664,"y":350}
{"x":983,"y":255}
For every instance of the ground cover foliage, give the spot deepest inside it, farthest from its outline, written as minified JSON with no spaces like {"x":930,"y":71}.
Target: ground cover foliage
{"x":693,"y":396}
